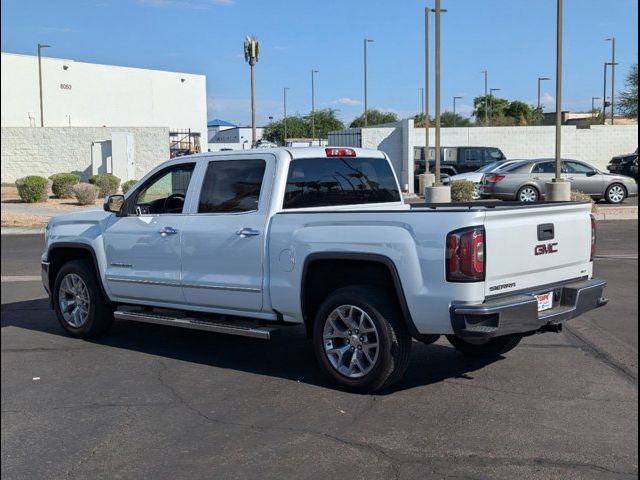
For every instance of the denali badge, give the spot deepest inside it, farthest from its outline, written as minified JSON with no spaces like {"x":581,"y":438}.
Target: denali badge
{"x":496,"y":288}
{"x":545,"y":248}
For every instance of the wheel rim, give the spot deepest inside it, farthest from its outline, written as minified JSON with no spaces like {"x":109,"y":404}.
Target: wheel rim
{"x":351,"y":341}
{"x":74,"y":300}
{"x":476,"y":193}
{"x":528,"y":195}
{"x":616,"y":194}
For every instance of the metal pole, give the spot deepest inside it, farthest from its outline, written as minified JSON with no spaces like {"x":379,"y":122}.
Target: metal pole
{"x":437,"y":152}
{"x":604,"y":95}
{"x":538,"y":92}
{"x":559,"y":91}
{"x":253,"y":107}
{"x":486,"y":98}
{"x":454,"y":109}
{"x":365,"y":82}
{"x":422,"y":100}
{"x":284,"y":121}
{"x":613,"y":77}
{"x":40,"y":47}
{"x":426,"y":88}
{"x":313,"y":107}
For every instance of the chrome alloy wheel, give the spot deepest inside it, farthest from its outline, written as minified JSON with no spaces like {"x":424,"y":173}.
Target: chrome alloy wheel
{"x":616,"y":194}
{"x":351,"y":341}
{"x":528,"y":194}
{"x":74,"y":300}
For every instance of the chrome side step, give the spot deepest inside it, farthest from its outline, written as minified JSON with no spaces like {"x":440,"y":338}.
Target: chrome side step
{"x":244,"y":329}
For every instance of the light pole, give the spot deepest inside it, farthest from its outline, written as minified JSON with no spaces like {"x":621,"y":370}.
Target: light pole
{"x":422,"y":100}
{"x":426,"y":86}
{"x":313,"y":106}
{"x":284,"y":119}
{"x":40,"y":47}
{"x":613,"y":74}
{"x":491,"y":90}
{"x":486,"y":98}
{"x":365,"y":42}
{"x":559,"y":190}
{"x":541,"y":79}
{"x":438,"y":12}
{"x":454,"y":109}
{"x":593,"y":105}
{"x":604,"y":93}
{"x":251,"y":53}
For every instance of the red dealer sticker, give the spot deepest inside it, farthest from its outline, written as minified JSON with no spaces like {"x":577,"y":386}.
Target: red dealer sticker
{"x":545,"y":301}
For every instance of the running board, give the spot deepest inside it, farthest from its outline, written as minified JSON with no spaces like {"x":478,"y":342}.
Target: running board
{"x":218,"y":326}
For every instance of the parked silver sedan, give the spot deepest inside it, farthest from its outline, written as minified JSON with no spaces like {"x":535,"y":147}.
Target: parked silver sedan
{"x":526,"y":181}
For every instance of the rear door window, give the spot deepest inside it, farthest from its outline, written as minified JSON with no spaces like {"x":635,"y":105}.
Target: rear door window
{"x":544,"y":167}
{"x":321,"y":182}
{"x":231,"y":186}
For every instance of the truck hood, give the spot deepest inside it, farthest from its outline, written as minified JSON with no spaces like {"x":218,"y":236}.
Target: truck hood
{"x":90,"y":216}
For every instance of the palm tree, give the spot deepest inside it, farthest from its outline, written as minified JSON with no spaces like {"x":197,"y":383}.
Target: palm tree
{"x":251,"y":52}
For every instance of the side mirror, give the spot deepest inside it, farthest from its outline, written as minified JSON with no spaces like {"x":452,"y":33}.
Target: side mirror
{"x":591,"y":173}
{"x":113,"y":203}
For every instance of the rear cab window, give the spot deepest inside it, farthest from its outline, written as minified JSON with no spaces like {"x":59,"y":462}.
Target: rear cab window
{"x":334,"y":181}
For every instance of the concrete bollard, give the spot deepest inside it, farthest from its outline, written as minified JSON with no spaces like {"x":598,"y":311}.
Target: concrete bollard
{"x":437,"y":194}
{"x":558,"y":191}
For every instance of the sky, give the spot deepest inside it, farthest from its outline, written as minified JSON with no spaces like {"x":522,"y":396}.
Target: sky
{"x":513,"y":39}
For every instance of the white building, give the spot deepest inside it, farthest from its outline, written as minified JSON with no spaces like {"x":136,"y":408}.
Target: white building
{"x":234,"y":138}
{"x":216,"y":125}
{"x":82,"y":94}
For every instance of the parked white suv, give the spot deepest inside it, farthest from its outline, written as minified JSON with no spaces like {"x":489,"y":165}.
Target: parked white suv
{"x":248,"y":242}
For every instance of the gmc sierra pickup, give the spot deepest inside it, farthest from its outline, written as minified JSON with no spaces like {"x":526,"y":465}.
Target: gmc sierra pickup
{"x":249,"y":242}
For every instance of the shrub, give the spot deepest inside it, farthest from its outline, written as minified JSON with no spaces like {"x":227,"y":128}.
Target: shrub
{"x":577,"y":196}
{"x":85,"y":193}
{"x":107,"y":184}
{"x":126,"y":186}
{"x":63,"y":183}
{"x":33,"y":188}
{"x":462,"y":191}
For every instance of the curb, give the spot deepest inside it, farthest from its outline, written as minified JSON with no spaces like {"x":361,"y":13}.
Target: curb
{"x":616,"y":213}
{"x":20,"y":231}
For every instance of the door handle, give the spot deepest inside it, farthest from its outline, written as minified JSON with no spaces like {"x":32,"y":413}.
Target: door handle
{"x":247,"y":232}
{"x":164,"y":231}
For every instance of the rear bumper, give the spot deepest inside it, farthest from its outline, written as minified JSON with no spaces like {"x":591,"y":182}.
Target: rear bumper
{"x":518,"y":314}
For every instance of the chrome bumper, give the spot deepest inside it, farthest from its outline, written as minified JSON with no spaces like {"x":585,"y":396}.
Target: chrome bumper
{"x":44,"y":274}
{"x":518,"y":314}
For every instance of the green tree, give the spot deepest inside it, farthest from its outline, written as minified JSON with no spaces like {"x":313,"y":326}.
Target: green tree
{"x":418,"y":120}
{"x":628,"y":103}
{"x":374,"y":117}
{"x":496,"y":106}
{"x":299,"y":126}
{"x":519,"y":111}
{"x":448,"y":119}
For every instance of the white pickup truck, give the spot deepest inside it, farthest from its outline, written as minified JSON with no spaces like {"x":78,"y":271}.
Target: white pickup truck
{"x":249,"y":242}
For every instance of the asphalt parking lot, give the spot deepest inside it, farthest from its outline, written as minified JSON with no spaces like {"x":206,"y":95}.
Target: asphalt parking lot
{"x":154,"y":402}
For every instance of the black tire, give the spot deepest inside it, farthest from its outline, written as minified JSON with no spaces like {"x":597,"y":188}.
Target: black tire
{"x":429,"y":339}
{"x":618,"y":199}
{"x":393,"y":338}
{"x":534,"y":191}
{"x":492,"y":348}
{"x":100,"y":312}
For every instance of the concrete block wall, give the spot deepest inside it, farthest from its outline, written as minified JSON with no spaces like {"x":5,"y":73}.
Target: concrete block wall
{"x":48,"y":150}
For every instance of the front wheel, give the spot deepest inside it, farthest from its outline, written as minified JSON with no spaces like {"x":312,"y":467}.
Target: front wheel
{"x":616,"y":193}
{"x":528,"y":194}
{"x":493,"y":347}
{"x":78,"y":301}
{"x":360,"y":339}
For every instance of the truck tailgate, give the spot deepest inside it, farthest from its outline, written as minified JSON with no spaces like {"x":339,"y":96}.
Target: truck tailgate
{"x":531,"y":247}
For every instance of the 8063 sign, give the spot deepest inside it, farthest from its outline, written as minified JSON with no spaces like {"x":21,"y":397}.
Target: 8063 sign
{"x":65,"y":86}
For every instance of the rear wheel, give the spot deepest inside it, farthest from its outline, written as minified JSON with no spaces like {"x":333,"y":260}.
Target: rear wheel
{"x":616,"y":193}
{"x":485,"y":348}
{"x":360,"y":339}
{"x":528,"y":194}
{"x":79,"y":304}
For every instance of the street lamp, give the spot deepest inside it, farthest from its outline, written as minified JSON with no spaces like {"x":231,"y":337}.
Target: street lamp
{"x":438,"y":11}
{"x":541,"y":79}
{"x":491,"y":90}
{"x":284,"y":120}
{"x":613,"y":74}
{"x":426,"y":85}
{"x":313,"y":105}
{"x":365,"y":42}
{"x":422,"y":100}
{"x":454,"y":109}
{"x":486,"y":98}
{"x":251,"y":53}
{"x":40,"y":47}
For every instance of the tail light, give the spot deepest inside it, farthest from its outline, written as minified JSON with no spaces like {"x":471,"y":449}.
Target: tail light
{"x":593,"y":238}
{"x":340,"y":152}
{"x":465,"y":256}
{"x":495,"y":178}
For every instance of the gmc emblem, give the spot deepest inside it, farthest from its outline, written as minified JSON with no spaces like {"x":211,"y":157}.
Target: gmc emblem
{"x":545,"y":248}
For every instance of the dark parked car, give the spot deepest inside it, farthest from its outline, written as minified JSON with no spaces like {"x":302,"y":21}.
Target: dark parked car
{"x":456,"y":160}
{"x":624,"y":165}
